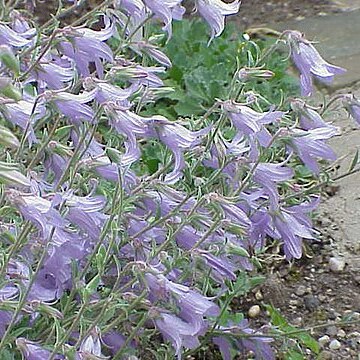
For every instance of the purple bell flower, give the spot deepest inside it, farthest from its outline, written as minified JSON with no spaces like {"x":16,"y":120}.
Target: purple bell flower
{"x":309,"y":145}
{"x":85,"y":46}
{"x":214,"y":12}
{"x":309,"y":62}
{"x":352,"y":105}
{"x":166,"y":10}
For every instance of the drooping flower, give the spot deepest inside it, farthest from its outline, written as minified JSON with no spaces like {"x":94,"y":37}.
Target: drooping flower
{"x":250,"y":122}
{"x":214,"y":12}
{"x":352,"y":105}
{"x":179,"y":332}
{"x":90,"y":347}
{"x":85,"y":46}
{"x":166,"y":10}
{"x":310,"y":145}
{"x":258,"y":344}
{"x":310,"y":63}
{"x":24,"y":113}
{"x":10,"y":37}
{"x":74,"y":106}
{"x":309,"y":118}
{"x":32,"y":351}
{"x":177,"y":138}
{"x":268,"y":175}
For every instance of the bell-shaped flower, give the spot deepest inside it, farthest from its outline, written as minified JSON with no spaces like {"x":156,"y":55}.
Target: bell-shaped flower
{"x":309,"y":118}
{"x":179,"y":332}
{"x":90,"y":347}
{"x":74,"y":106}
{"x":85,"y":46}
{"x":250,"y":122}
{"x":32,"y":351}
{"x":310,"y":145}
{"x":40,"y":211}
{"x":268,"y":175}
{"x":24,"y":113}
{"x":310,"y":63}
{"x":292,"y":229}
{"x":10,"y":37}
{"x":107,"y":92}
{"x":352,"y":105}
{"x":177,"y":138}
{"x":231,"y":341}
{"x":214,"y":12}
{"x":51,"y":75}
{"x":166,"y":10}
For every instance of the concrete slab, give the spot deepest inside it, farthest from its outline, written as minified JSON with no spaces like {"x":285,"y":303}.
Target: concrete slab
{"x":338,"y":38}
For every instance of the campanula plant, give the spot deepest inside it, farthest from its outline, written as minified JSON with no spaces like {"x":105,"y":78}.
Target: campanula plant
{"x":125,"y":232}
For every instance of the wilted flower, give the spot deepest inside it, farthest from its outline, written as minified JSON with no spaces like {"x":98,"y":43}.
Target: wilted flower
{"x":214,"y":12}
{"x":309,"y":62}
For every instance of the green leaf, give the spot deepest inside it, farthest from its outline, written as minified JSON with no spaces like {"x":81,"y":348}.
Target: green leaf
{"x":354,"y":161}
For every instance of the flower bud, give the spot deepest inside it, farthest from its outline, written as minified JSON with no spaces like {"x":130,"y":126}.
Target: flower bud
{"x":9,"y":175}
{"x":8,"y":139}
{"x":9,"y":60}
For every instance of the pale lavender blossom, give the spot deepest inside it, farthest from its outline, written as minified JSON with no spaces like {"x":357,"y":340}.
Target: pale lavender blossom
{"x":258,"y":344}
{"x":40,"y":211}
{"x":214,"y":12}
{"x":152,"y":51}
{"x":24,"y":113}
{"x":74,"y":106}
{"x":52,"y":75}
{"x":166,"y":10}
{"x":352,"y":105}
{"x":179,"y":332}
{"x":90,"y":347}
{"x":291,"y":230}
{"x":33,"y":351}
{"x":10,"y":37}
{"x":250,"y":122}
{"x":310,"y":145}
{"x":107,"y":92}
{"x":309,"y":62}
{"x":85,"y":46}
{"x":221,"y":267}
{"x":309,"y":118}
{"x":268,"y":175}
{"x":177,"y":138}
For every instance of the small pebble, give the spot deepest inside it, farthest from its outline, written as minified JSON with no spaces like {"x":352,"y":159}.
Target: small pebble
{"x":324,"y":340}
{"x":336,"y":264}
{"x":325,"y":355}
{"x":335,"y":345}
{"x":259,"y":295}
{"x":331,"y":330}
{"x":254,"y":311}
{"x":311,"y":302}
{"x":341,"y":333}
{"x":297,"y":321}
{"x":301,"y":290}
